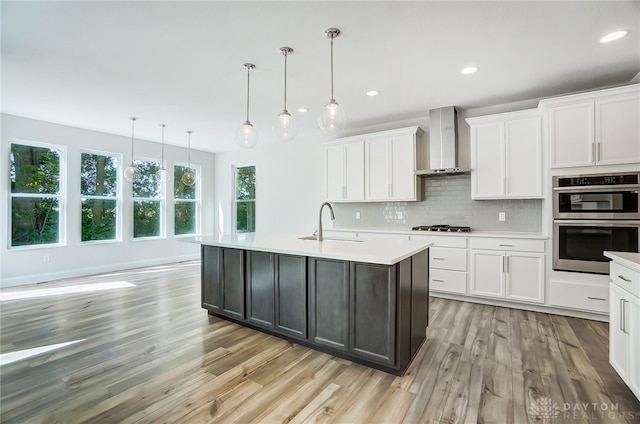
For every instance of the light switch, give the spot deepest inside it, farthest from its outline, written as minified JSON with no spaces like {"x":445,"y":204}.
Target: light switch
{"x":502,"y":216}
{"x":357,"y":215}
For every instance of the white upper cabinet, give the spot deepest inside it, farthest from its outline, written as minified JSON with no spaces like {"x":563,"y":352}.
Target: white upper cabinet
{"x":506,"y":156}
{"x":344,"y":171}
{"x":374,"y":167}
{"x":596,"y":128}
{"x":390,"y":164}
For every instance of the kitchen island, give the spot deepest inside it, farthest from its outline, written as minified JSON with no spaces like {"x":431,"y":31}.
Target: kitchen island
{"x":362,"y":300}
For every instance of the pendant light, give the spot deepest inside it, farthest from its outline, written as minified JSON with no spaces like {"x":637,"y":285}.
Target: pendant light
{"x":333,"y":119}
{"x":246,"y":135}
{"x":162,"y":175}
{"x":285,"y":127}
{"x":189,"y":178}
{"x":131,"y":171}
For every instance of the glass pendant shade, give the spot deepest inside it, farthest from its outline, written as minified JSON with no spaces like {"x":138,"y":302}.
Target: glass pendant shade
{"x":188,"y":178}
{"x":333,"y":119}
{"x":285,"y":128}
{"x":131,"y":172}
{"x":247,"y":136}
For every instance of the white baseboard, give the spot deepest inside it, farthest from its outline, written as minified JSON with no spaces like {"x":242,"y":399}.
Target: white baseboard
{"x":80,"y":272}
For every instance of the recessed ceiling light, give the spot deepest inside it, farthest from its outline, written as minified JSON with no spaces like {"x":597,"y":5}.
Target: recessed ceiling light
{"x":372,"y":93}
{"x":469,"y":70}
{"x":613,"y":36}
{"x":303,"y":110}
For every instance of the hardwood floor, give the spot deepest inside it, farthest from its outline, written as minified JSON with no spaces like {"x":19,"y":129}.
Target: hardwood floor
{"x":149,"y":353}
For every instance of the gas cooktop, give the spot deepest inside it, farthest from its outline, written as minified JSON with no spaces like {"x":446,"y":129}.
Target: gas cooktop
{"x":444,"y":228}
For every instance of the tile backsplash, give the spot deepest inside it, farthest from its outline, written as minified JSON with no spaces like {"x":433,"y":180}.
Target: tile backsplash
{"x":447,"y":201}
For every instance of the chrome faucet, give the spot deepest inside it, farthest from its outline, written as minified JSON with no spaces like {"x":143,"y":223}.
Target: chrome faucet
{"x":320,"y":218}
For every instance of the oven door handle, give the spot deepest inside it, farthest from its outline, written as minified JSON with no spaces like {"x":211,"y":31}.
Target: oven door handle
{"x":633,"y":188}
{"x":599,"y":222}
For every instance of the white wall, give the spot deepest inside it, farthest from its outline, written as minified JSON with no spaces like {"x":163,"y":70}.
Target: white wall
{"x":23,"y":266}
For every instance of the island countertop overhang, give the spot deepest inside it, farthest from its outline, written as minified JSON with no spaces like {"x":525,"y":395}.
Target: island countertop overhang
{"x":375,"y":251}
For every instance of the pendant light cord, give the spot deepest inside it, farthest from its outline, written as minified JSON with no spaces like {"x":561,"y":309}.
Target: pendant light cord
{"x":133,"y":122}
{"x":189,"y":146}
{"x":162,"y":157}
{"x":285,"y":80}
{"x":332,"y":99}
{"x":248,"y":73}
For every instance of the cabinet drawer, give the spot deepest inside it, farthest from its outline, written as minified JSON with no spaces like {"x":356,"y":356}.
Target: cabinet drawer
{"x":445,"y":258}
{"x":524,"y":245}
{"x":588,"y":297}
{"x":448,"y":281}
{"x":442,"y":241}
{"x":625,"y":278}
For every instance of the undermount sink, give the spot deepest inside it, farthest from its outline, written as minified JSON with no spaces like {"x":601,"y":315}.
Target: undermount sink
{"x":314,"y":238}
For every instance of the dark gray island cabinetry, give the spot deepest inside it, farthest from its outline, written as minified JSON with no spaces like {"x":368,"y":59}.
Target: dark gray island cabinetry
{"x":372,"y":313}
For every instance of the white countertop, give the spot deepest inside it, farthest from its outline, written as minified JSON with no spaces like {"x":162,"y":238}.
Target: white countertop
{"x":409,"y":231}
{"x":629,"y":259}
{"x":379,"y":251}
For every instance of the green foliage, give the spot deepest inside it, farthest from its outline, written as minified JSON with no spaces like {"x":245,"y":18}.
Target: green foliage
{"x":181,"y":190}
{"x":185,"y":218}
{"x":146,"y":184}
{"x":98,"y":175}
{"x":34,"y":220}
{"x":146,"y":218}
{"x":34,"y":170}
{"x":245,"y":199}
{"x":98,"y":219}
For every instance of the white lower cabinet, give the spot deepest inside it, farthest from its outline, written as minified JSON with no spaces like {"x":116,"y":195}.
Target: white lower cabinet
{"x":505,"y":274}
{"x":624,"y":329}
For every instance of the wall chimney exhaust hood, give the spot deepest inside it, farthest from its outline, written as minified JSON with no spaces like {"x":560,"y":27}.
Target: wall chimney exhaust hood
{"x":443,"y":144}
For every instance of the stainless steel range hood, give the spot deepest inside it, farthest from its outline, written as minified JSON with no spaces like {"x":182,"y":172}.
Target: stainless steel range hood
{"x":443,"y":144}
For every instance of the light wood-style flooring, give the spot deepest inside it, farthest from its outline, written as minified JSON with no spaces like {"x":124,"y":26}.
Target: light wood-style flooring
{"x":149,"y":353}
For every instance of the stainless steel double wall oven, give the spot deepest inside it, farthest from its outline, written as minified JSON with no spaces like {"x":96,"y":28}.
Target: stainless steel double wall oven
{"x":593,"y":213}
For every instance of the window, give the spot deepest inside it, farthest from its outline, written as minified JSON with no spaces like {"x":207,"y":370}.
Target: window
{"x":148,"y":197}
{"x":99,"y":196}
{"x":245,"y":199}
{"x":187,"y":201}
{"x":36,"y":194}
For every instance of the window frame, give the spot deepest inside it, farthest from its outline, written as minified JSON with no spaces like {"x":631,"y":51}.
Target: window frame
{"x":117,"y":198}
{"x":234,"y":196}
{"x":163,"y":205}
{"x":61,"y":196}
{"x":197,"y":170}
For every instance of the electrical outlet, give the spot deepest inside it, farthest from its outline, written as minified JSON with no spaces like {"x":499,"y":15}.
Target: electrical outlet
{"x":502,"y":216}
{"x":357,"y":215}
{"x":46,"y":259}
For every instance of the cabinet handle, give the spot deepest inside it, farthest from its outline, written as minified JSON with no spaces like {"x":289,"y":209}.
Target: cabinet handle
{"x":439,"y":259}
{"x":626,"y":280}
{"x":503,"y":258}
{"x":505,"y":245}
{"x":439,"y":281}
{"x":596,"y":298}
{"x":598,"y":151}
{"x":508,"y":261}
{"x":344,"y":192}
{"x":623,"y":324}
{"x":593,"y":151}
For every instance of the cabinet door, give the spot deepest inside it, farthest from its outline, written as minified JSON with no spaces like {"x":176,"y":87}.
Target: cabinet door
{"x":487,"y":271}
{"x":354,"y":171}
{"x":403,"y":157}
{"x":571,"y":135}
{"x":211,"y":278}
{"x":618,"y":129}
{"x":618,"y":327}
{"x":373,"y":312}
{"x":260,"y":288}
{"x":634,"y":345}
{"x":334,"y":173}
{"x":377,"y":181}
{"x":329,"y":302}
{"x":525,"y":277}
{"x":523,"y":158}
{"x":487,"y":161}
{"x":232,"y":280}
{"x":291,"y":295}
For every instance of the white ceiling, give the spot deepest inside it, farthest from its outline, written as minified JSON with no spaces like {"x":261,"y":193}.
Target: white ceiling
{"x":93,"y":64}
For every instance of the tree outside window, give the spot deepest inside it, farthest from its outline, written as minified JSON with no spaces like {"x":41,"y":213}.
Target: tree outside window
{"x":36,"y":195}
{"x":99,"y":190}
{"x":245,"y":199}
{"x":186,"y":202}
{"x":147,"y":200}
